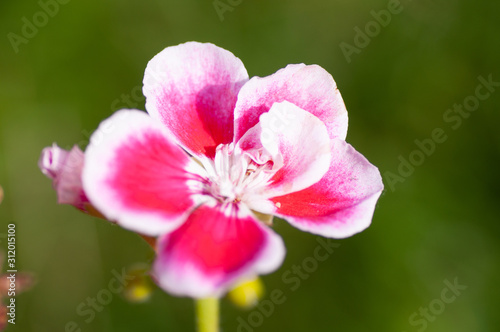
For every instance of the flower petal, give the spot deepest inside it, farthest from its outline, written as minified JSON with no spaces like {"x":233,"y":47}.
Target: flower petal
{"x":136,"y":176}
{"x":65,"y":169}
{"x":218,"y":246}
{"x":192,"y":89}
{"x":299,"y":145}
{"x":309,"y":87}
{"x":342,"y":202}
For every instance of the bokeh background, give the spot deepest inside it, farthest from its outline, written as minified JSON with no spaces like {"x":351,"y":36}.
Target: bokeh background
{"x":441,"y":222}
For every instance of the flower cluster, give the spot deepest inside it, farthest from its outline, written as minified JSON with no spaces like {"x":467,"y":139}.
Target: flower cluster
{"x":215,"y":156}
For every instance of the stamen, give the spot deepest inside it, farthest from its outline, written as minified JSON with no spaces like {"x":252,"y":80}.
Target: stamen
{"x":234,"y":175}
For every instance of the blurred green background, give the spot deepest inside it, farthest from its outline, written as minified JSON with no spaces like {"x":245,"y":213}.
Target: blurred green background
{"x":438,"y":223}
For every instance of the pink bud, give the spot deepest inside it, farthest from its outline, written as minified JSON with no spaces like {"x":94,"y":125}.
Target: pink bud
{"x":65,"y":169}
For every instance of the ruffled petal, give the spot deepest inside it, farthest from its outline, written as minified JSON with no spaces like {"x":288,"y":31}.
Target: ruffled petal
{"x":342,"y":202}
{"x":137,"y":177}
{"x":215,"y":248}
{"x":296,"y":141}
{"x":309,"y":87}
{"x":64,"y":168}
{"x":192,"y":89}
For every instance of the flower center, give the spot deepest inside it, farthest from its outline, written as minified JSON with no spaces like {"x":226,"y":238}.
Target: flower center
{"x":235,"y":175}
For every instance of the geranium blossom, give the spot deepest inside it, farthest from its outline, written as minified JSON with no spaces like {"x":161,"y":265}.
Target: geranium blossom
{"x":216,"y":151}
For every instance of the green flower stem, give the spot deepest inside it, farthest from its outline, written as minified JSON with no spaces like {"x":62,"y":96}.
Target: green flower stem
{"x":207,"y":314}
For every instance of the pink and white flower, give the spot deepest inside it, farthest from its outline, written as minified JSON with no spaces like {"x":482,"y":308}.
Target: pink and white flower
{"x":216,"y":151}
